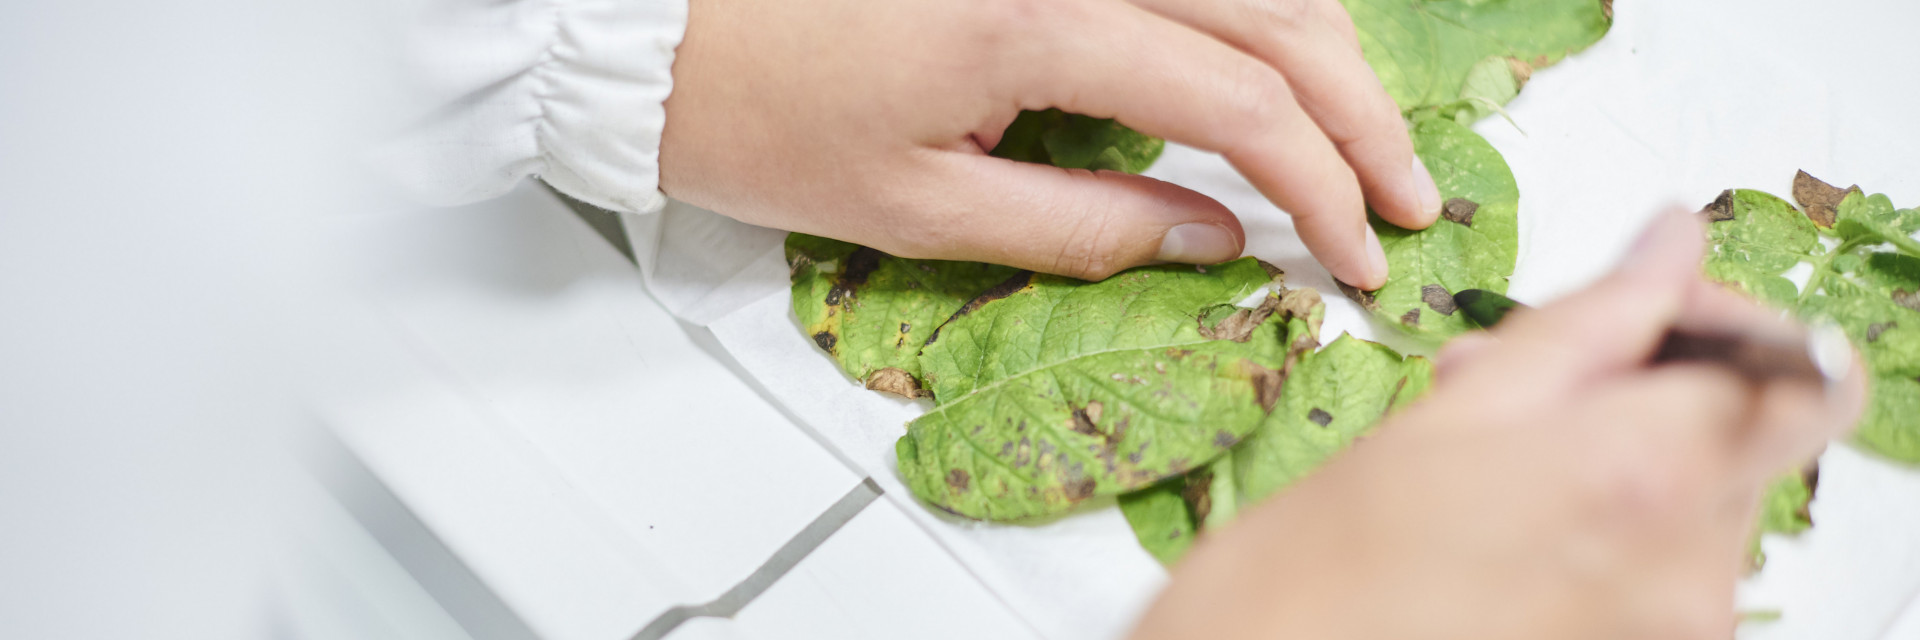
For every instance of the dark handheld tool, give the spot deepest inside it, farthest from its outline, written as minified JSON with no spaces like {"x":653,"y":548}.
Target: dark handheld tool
{"x":1754,"y":357}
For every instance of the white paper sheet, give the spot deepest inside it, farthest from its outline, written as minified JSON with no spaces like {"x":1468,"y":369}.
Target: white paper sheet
{"x":1680,"y":101}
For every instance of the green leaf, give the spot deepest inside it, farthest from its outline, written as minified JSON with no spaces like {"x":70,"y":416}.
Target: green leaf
{"x":1876,"y":300}
{"x":1783,"y":510}
{"x":872,"y":311}
{"x":1331,"y":397}
{"x":1472,"y":246}
{"x":1425,"y":51}
{"x":1075,"y":141}
{"x":1334,"y":396}
{"x":1755,"y":238}
{"x":1871,"y":293}
{"x":1065,"y":390}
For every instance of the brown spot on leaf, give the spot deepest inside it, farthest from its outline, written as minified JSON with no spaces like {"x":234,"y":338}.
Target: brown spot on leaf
{"x":1811,"y":476}
{"x":1522,"y":72}
{"x":1459,"y":211}
{"x":1395,"y":398}
{"x":1320,"y":416}
{"x":1198,"y":494}
{"x":1299,"y":303}
{"x":898,"y":382}
{"x":1086,"y":419}
{"x":1274,"y":273}
{"x":860,"y":265}
{"x":1908,"y":299}
{"x":1819,"y":199}
{"x":959,"y":480}
{"x":1266,"y":384}
{"x":1006,"y":288}
{"x":826,"y":340}
{"x":1223,"y":439}
{"x":1411,"y":318}
{"x":1721,"y":209}
{"x":1437,"y":299}
{"x":1874,"y":330}
{"x":906,"y":328}
{"x":1606,"y":8}
{"x":1239,"y":325}
{"x":1364,"y":298}
{"x":1079,"y":488}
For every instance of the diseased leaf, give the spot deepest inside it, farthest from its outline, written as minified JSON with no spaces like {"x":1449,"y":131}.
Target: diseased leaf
{"x":1064,"y":390}
{"x":1755,"y":239}
{"x":1783,"y":509}
{"x":1473,"y":246}
{"x":1332,"y":397}
{"x":1427,"y":52}
{"x":1871,"y":293}
{"x":1075,"y":141}
{"x":872,"y":311}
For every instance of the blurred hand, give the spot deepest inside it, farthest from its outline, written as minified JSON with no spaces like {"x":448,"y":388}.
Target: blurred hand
{"x":1554,"y":485}
{"x":870,"y":122}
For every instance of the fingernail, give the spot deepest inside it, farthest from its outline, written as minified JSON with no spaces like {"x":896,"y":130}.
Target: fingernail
{"x":1424,"y":187}
{"x":1376,"y":258}
{"x":1198,"y":243}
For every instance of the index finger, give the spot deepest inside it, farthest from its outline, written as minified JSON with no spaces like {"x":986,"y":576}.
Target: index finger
{"x":1168,"y":80}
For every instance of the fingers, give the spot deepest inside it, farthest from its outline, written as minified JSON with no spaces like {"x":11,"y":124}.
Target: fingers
{"x":1795,"y":417}
{"x":1312,"y":44}
{"x":1195,"y":90}
{"x":1074,"y":223}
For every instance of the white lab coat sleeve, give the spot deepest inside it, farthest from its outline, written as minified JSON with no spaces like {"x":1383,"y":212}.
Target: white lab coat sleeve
{"x":571,"y":91}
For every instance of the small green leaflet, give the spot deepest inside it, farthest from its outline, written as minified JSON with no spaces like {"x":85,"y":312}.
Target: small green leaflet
{"x":1075,"y":141}
{"x":1064,"y":390}
{"x":1472,"y":246}
{"x":872,"y":311}
{"x":1783,"y":509}
{"x":1330,"y":398}
{"x":1868,"y":284}
{"x":1427,"y":52}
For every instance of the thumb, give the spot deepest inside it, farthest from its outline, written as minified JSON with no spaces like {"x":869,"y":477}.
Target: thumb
{"x":1070,"y":222}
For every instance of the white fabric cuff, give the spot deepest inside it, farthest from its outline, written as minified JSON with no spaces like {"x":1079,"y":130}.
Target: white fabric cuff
{"x":572,"y":91}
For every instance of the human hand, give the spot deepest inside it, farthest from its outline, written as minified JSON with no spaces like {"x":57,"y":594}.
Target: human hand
{"x":871,"y":122}
{"x":1554,"y":485}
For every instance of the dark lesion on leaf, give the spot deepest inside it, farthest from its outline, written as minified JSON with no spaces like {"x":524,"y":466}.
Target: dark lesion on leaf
{"x":1820,"y":200}
{"x":1319,"y":416}
{"x":1198,"y":494}
{"x":1364,"y":298}
{"x":1239,"y":325}
{"x":1006,"y":288}
{"x":826,"y":340}
{"x":1438,"y":299}
{"x":1411,"y":318}
{"x":1908,"y":299}
{"x":959,"y":480}
{"x":1224,"y":439}
{"x":1874,"y":330}
{"x":1266,"y":384}
{"x":1274,"y":272}
{"x":1721,"y":209}
{"x":1086,"y":419}
{"x":898,"y":382}
{"x":860,"y":265}
{"x":1459,"y":211}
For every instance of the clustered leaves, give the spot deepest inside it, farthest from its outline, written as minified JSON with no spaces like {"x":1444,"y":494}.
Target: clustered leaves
{"x":1155,"y":385}
{"x":1865,"y":278}
{"x":1049,"y":391}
